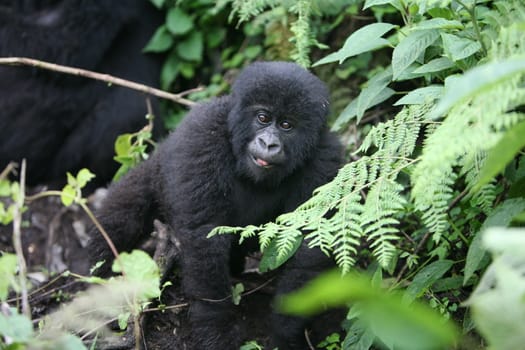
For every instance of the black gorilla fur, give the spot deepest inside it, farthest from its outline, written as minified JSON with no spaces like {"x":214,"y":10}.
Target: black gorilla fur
{"x":240,"y":159}
{"x":62,"y":123}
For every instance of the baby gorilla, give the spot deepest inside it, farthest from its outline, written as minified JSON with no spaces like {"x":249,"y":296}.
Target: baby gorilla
{"x":240,"y":159}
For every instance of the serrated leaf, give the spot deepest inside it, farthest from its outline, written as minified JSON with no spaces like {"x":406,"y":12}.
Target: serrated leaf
{"x":67,"y":196}
{"x":501,"y":154}
{"x":458,"y":48}
{"x":421,"y":96}
{"x":367,"y":38}
{"x":436,"y":65}
{"x":476,"y":80}
{"x":160,"y":41}
{"x":140,"y":267}
{"x":191,"y":48}
{"x":410,"y":48}
{"x":501,"y":216}
{"x":425,"y":278}
{"x":178,"y":22}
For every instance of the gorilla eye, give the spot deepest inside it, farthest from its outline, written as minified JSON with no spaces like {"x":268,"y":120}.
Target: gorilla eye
{"x":285,"y":125}
{"x":263,"y":118}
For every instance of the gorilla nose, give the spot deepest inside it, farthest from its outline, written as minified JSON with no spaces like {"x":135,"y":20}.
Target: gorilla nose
{"x":269,"y":144}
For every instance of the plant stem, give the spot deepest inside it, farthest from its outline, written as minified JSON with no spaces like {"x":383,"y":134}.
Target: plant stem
{"x":472,"y":13}
{"x":91,"y":217}
{"x":16,"y":61}
{"x":17,"y":241}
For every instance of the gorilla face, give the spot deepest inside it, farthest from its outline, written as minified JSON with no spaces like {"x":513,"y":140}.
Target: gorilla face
{"x":278,"y":114}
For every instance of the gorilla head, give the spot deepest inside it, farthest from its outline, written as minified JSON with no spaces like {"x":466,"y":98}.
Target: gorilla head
{"x":276,"y":120}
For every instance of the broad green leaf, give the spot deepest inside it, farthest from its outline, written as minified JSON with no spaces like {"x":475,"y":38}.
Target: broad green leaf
{"x":178,"y":22}
{"x":140,"y":267}
{"x":497,"y":304}
{"x":436,"y":65}
{"x":439,"y":23}
{"x":215,"y":37}
{"x":425,"y":278}
{"x":68,"y":195}
{"x":170,"y":70}
{"x":501,"y":216}
{"x":271,"y":258}
{"x":349,"y":113}
{"x":160,"y":42}
{"x":83,"y":177}
{"x":502,"y":154}
{"x":8,"y":268}
{"x":421,"y":96}
{"x":367,"y":38}
{"x":376,"y":87}
{"x":476,"y":80}
{"x":191,"y":48}
{"x":458,"y":48}
{"x":5,"y":188}
{"x":409,"y":327}
{"x":410,"y":48}
{"x":395,"y":3}
{"x":123,"y":144}
{"x":18,"y":328}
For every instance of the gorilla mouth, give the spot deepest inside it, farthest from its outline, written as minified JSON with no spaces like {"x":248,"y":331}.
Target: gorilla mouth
{"x":261,"y":162}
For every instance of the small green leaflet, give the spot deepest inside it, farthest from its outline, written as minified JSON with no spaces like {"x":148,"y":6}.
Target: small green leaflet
{"x":457,"y":48}
{"x":365,"y":39}
{"x":421,"y":96}
{"x":411,"y":48}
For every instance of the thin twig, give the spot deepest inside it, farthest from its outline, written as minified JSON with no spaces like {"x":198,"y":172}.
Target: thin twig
{"x":25,"y":61}
{"x":10,"y":167}
{"x":17,"y":241}
{"x":307,"y":337}
{"x":91,"y":216}
{"x":418,"y":248}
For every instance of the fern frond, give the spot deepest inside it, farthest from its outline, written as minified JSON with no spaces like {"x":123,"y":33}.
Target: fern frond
{"x":471,"y":128}
{"x":286,"y":238}
{"x":302,"y":33}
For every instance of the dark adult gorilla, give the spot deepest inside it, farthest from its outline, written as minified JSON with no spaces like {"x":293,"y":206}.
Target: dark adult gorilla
{"x":240,"y":159}
{"x":62,"y":123}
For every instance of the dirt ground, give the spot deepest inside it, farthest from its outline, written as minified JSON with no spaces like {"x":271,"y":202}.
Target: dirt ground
{"x":54,"y":240}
